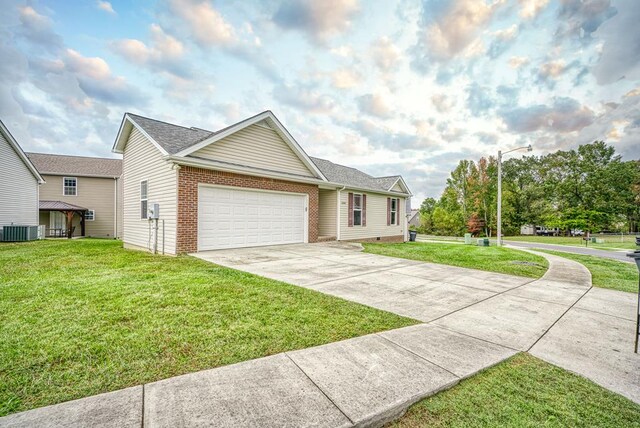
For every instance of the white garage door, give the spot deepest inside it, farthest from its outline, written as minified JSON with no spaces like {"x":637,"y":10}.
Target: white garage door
{"x":234,"y":218}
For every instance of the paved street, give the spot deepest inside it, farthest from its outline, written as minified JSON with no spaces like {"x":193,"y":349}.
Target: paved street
{"x":607,"y":254}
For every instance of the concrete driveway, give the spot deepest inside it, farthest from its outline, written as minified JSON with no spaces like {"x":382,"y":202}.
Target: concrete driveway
{"x":423,"y":291}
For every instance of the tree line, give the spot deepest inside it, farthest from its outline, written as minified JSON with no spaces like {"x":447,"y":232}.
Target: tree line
{"x":590,"y":188}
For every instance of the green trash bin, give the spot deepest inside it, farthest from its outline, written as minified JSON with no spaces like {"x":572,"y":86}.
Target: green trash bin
{"x":483,"y":242}
{"x":593,"y":239}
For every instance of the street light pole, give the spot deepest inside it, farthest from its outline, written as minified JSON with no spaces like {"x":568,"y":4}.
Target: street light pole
{"x":499,"y":234}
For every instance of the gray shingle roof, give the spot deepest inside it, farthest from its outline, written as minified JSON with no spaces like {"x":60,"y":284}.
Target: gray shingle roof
{"x":76,"y":165}
{"x":172,"y":138}
{"x":352,"y":177}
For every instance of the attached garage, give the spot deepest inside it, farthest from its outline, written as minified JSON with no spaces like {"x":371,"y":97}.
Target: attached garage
{"x":231,"y":217}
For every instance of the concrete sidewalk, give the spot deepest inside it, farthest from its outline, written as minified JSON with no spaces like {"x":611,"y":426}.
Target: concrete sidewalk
{"x":369,"y":380}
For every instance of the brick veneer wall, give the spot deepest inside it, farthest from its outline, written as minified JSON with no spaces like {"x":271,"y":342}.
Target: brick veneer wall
{"x":396,"y":238}
{"x":190,"y":177}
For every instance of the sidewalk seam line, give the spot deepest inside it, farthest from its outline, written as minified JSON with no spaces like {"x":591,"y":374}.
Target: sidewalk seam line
{"x":556,"y":321}
{"x":477,"y":338}
{"x":602,"y":313}
{"x":416,"y":354}
{"x":142,"y":418}
{"x":319,"y":389}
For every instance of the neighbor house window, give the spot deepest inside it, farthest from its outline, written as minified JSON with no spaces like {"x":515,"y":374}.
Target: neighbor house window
{"x":90,"y":215}
{"x":357,"y":209}
{"x":70,"y":186}
{"x":394,"y":211}
{"x":143,"y":199}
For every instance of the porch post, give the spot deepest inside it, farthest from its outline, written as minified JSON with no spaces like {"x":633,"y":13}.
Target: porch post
{"x":82,"y":213}
{"x":69,"y":215}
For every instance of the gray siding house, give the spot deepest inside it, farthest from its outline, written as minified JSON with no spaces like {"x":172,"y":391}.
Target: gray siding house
{"x":20,"y":183}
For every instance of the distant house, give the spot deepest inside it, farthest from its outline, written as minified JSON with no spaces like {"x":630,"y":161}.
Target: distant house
{"x":82,"y":195}
{"x":20,"y":183}
{"x":414,"y":218}
{"x":246,"y":185}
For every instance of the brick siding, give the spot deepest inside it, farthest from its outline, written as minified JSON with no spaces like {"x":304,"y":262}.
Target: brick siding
{"x":190,"y":177}
{"x":396,"y":238}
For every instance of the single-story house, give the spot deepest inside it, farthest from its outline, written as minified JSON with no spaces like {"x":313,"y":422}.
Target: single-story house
{"x":82,"y":195}
{"x":20,"y":183}
{"x":250,"y":184}
{"x":414,"y":218}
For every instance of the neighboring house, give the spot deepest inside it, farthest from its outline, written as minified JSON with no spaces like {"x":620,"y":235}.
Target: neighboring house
{"x":414,"y":218}
{"x":20,"y":183}
{"x":84,"y":191}
{"x":246,"y":185}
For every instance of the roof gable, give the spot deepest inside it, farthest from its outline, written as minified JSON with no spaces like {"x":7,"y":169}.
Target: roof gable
{"x":19,"y":152}
{"x":256,"y":146}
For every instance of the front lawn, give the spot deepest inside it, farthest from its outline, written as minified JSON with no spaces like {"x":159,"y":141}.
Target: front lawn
{"x":523,"y":392}
{"x":493,"y":259}
{"x":605,"y":273}
{"x":82,"y":317}
{"x":611,"y":242}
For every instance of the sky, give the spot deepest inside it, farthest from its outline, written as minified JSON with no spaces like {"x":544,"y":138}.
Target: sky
{"x":389,"y":87}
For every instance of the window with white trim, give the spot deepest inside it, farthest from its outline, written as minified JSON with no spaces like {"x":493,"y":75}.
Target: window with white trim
{"x":394,"y":211}
{"x":357,"y":209}
{"x":90,"y":215}
{"x":144,"y":187}
{"x":69,"y":186}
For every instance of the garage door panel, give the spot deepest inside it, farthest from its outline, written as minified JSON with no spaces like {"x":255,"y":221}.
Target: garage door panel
{"x":232,"y":218}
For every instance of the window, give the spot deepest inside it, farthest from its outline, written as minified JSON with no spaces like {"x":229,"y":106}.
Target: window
{"x":69,"y":186}
{"x":90,"y":215}
{"x":357,"y":209}
{"x":143,"y":199}
{"x":394,"y":211}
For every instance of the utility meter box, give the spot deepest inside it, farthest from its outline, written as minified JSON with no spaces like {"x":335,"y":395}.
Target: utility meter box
{"x":154,"y":211}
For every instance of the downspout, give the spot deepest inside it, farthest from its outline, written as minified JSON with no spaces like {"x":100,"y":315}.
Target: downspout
{"x":115,"y":207}
{"x":338,"y":214}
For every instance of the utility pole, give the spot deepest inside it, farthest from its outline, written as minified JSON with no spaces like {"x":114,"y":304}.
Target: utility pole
{"x":499,"y":235}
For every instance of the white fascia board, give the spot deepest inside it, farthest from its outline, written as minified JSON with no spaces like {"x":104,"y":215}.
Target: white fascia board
{"x":118,"y":146}
{"x":16,"y":148}
{"x":403,"y":184}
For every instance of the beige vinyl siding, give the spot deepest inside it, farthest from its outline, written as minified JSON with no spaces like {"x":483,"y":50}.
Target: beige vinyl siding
{"x":397,"y":188}
{"x":143,"y":161}
{"x":119,"y":210}
{"x":256,"y":146}
{"x":18,"y":188}
{"x":376,"y":218}
{"x":94,"y":193}
{"x":327,"y":213}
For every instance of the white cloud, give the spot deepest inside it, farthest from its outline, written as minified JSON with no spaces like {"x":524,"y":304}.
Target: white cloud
{"x":105,"y":6}
{"x":386,"y":55}
{"x":345,"y":78}
{"x":207,"y":25}
{"x":321,"y":20}
{"x":375,"y":105}
{"x":518,"y":61}
{"x":553,"y":69}
{"x":442,"y":102}
{"x":530,"y":9}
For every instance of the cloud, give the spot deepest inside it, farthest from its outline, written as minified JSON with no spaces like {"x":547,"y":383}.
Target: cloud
{"x":552,"y":70}
{"x":449,"y":28}
{"x":386,"y":55}
{"x":442,"y":102}
{"x":320,"y":20}
{"x":165,"y":52}
{"x":620,"y":57}
{"x":578,"y":19}
{"x":303,"y":97}
{"x":345,"y":78}
{"x":479,"y":99}
{"x":503,"y":39}
{"x":562,"y":116}
{"x":530,"y":9}
{"x":105,"y":6}
{"x":374,"y":105}
{"x":38,"y":29}
{"x":96,"y":80}
{"x":516,"y":62}
{"x":207,"y":25}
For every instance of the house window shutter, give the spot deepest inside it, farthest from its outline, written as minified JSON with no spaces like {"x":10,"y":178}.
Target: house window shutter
{"x":398,"y":212}
{"x":350,"y":209}
{"x":364,"y":210}
{"x":388,"y":211}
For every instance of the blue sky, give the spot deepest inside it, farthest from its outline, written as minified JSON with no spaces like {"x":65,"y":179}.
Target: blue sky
{"x":407,"y":87}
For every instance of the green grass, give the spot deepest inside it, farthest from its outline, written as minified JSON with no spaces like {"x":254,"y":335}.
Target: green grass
{"x":606,"y":273}
{"x":610,"y":242}
{"x":82,"y":317}
{"x":523,"y":392}
{"x":493,"y":259}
